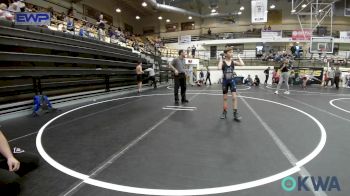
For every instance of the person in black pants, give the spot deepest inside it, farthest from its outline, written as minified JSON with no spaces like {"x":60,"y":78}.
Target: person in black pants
{"x":151,"y":76}
{"x":177,"y":65}
{"x":12,"y":166}
{"x":337,"y":76}
{"x":266,"y":72}
{"x":208,"y":78}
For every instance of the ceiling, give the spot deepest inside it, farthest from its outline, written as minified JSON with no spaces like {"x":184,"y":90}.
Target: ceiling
{"x":222,"y":6}
{"x":204,"y":6}
{"x":135,"y":6}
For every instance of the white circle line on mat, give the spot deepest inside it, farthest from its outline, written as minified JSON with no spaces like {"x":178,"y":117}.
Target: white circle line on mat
{"x":332,"y":104}
{"x":165,"y":192}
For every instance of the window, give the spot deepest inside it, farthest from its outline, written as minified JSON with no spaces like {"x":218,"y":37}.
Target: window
{"x":185,"y":26}
{"x":171,"y":27}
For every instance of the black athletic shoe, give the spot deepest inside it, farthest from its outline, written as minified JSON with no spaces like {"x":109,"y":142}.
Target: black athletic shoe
{"x":223,"y":116}
{"x":185,"y":101}
{"x":176,"y":102}
{"x":236,"y":117}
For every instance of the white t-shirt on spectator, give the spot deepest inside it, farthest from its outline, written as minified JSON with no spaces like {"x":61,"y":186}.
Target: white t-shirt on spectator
{"x":5,"y":15}
{"x":60,"y":27}
{"x":13,"y":9}
{"x":21,"y":5}
{"x":151,"y":71}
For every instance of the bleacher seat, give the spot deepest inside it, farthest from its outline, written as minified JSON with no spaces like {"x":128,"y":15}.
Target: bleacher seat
{"x":35,"y":28}
{"x":24,"y":27}
{"x":63,"y":58}
{"x":6,"y":23}
{"x":68,"y":35}
{"x":59,"y":33}
{"x":47,"y":31}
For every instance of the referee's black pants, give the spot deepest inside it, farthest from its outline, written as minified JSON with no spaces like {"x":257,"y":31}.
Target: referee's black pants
{"x":180,"y":81}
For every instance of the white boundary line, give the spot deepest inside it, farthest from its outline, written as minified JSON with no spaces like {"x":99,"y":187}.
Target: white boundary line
{"x":218,"y":90}
{"x":332,"y":104}
{"x":284,"y":149}
{"x":23,"y":136}
{"x":74,"y":119}
{"x":185,"y":107}
{"x":178,"y":109}
{"x":204,"y":191}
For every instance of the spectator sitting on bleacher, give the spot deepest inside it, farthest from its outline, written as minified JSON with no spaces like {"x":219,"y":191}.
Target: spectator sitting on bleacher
{"x":111,"y":32}
{"x":16,"y":6}
{"x":13,"y":8}
{"x":83,"y":30}
{"x":122,"y":38}
{"x":136,"y":46}
{"x":52,"y":14}
{"x":61,"y":28}
{"x":92,"y":31}
{"x":4,"y":14}
{"x":70,"y":23}
{"x":61,"y":17}
{"x":117,"y":33}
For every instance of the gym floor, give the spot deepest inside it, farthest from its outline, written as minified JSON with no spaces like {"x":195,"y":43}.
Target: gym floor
{"x":145,"y":142}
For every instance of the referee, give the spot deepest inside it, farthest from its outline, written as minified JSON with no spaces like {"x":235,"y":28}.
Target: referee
{"x":177,"y":65}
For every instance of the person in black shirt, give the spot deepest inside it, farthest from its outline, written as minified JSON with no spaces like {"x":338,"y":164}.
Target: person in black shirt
{"x":267,"y":73}
{"x":209,"y":31}
{"x":208,"y":78}
{"x":193,"y":51}
{"x":284,"y":76}
{"x":256,"y":81}
{"x":227,"y":66}
{"x":178,"y":66}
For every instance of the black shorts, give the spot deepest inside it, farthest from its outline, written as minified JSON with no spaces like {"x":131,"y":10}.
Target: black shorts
{"x":139,"y":78}
{"x":226,"y":84}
